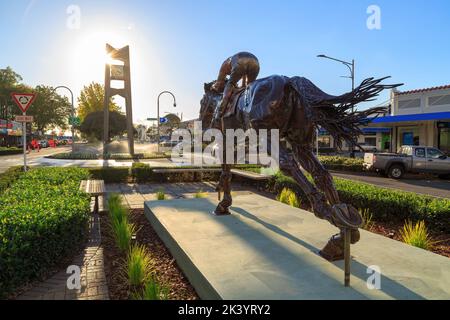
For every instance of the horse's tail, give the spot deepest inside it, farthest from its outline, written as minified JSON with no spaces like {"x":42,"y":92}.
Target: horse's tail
{"x":337,"y":116}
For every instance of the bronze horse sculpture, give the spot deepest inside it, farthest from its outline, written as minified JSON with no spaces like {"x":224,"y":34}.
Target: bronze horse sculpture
{"x":298,"y":108}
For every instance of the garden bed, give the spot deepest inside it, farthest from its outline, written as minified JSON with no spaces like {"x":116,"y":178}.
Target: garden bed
{"x":165,"y":266}
{"x":113,"y":156}
{"x":392,"y":230}
{"x":10,"y":151}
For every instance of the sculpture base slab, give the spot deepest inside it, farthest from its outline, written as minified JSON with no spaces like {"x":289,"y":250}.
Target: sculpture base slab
{"x":267,"y":250}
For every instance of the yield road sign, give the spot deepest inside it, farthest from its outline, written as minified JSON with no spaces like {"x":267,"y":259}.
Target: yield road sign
{"x":25,"y":119}
{"x":23,"y":100}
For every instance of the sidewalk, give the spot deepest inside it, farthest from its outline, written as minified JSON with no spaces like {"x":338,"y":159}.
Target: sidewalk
{"x":93,"y":280}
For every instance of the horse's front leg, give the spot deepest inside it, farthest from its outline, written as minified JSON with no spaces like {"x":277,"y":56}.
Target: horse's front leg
{"x":225,"y":186}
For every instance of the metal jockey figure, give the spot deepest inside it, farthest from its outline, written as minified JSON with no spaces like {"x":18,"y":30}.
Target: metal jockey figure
{"x":242,"y":65}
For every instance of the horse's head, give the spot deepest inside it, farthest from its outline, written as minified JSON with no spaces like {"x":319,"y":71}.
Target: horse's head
{"x":208,"y":104}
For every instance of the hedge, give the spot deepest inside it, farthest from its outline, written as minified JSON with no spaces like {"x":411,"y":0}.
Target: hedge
{"x":44,"y":219}
{"x":9,"y":176}
{"x":110,"y":174}
{"x":342,"y":163}
{"x":10,"y":151}
{"x":113,"y":156}
{"x":384,"y":204}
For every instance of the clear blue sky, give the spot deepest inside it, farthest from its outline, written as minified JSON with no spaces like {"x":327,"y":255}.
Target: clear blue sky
{"x":178,"y":45}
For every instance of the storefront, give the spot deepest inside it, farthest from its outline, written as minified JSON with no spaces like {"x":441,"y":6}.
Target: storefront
{"x":444,"y":136}
{"x":10,"y":133}
{"x":419,"y":117}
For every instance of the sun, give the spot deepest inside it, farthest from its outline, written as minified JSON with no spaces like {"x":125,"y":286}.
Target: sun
{"x":89,"y":56}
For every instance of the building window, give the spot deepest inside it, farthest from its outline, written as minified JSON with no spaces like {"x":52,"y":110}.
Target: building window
{"x":324,"y":142}
{"x":409,"y":104}
{"x":370,"y":141}
{"x":439,"y":100}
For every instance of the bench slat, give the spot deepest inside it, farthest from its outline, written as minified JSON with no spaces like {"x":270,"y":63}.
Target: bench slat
{"x":93,"y":187}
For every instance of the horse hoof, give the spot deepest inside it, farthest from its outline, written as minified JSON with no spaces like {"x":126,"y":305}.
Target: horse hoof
{"x":334,"y":250}
{"x":221,"y":211}
{"x":346,"y":216}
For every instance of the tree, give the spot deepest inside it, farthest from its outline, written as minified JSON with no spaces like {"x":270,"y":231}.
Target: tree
{"x":92,"y":125}
{"x":49,"y":109}
{"x":9,"y":82}
{"x":91,"y":100}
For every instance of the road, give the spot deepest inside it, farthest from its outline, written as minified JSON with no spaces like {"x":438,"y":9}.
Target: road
{"x":17,"y":160}
{"x":413,"y":183}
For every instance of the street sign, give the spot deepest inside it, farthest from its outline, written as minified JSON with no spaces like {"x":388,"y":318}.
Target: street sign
{"x":75,"y":121}
{"x":23,"y":100}
{"x":163,"y":120}
{"x":27,"y":119}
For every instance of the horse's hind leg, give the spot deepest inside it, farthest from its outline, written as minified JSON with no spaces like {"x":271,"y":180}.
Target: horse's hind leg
{"x":324,"y":181}
{"x":225,"y":186}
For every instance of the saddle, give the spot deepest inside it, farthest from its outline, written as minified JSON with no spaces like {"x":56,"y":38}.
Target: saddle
{"x":231,"y":108}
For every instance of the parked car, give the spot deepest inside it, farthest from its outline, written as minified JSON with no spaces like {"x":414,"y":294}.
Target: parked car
{"x":366,"y":148}
{"x":168,"y":144}
{"x":414,"y":159}
{"x":44,"y":144}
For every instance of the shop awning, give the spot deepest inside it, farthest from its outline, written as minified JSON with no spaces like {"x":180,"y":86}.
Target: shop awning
{"x":323,"y":132}
{"x":376,"y":130}
{"x":413,"y":117}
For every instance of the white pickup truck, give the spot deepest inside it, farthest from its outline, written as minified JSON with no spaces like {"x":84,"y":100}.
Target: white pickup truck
{"x":414,"y":159}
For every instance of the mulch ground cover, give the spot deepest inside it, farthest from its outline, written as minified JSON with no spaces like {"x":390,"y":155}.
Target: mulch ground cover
{"x":165,"y":267}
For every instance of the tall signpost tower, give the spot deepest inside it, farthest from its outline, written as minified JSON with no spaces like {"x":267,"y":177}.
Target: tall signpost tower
{"x":118,"y":73}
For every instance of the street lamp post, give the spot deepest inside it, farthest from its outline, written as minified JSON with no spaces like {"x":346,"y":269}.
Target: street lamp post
{"x":73,"y":114}
{"x":351,"y":67}
{"x":159,"y":119}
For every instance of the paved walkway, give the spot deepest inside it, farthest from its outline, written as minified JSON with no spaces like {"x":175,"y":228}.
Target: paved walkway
{"x":93,"y":280}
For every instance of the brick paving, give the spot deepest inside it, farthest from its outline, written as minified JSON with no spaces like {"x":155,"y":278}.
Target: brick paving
{"x":93,"y":280}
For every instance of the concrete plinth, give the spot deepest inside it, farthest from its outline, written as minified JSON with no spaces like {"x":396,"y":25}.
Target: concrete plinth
{"x":267,"y":250}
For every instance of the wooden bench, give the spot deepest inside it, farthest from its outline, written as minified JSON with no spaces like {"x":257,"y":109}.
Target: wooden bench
{"x":95,"y":188}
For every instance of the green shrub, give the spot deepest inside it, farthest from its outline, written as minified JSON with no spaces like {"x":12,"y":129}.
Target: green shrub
{"x":117,"y":211}
{"x":160,"y":195}
{"x":139,"y":265}
{"x":289,"y":197}
{"x":342,"y":163}
{"x":200,"y":195}
{"x":110,"y":175}
{"x":384,"y":204}
{"x":44,"y":218}
{"x":9,"y":176}
{"x":10,"y":151}
{"x":153,"y":291}
{"x":74,"y":156}
{"x":416,"y":235}
{"x":123,"y":233}
{"x":141,"y":172}
{"x":368,"y":219}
